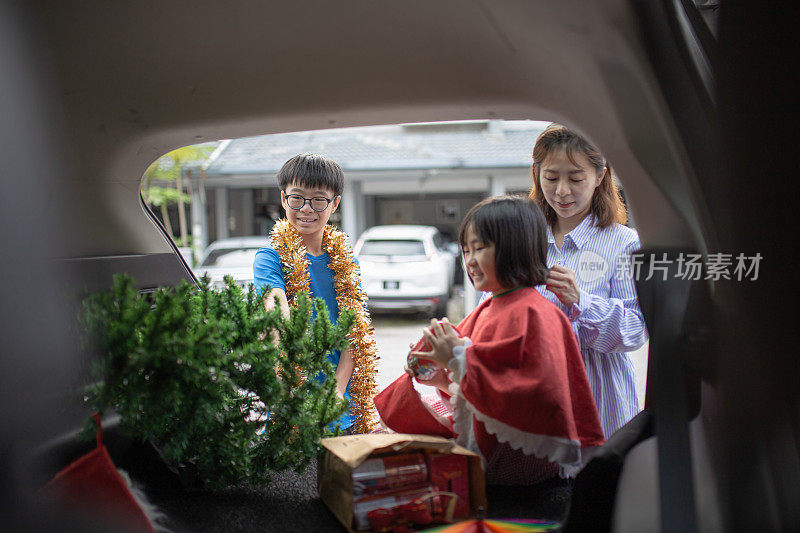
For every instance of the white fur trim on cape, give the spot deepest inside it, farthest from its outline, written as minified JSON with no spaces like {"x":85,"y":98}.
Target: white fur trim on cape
{"x":462,"y":421}
{"x":458,"y":363}
{"x":568,"y":453}
{"x":156,"y":517}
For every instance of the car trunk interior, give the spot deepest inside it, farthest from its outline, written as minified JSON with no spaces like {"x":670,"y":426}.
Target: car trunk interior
{"x":102,"y":89}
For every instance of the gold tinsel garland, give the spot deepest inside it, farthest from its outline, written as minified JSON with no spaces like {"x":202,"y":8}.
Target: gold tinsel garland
{"x":288,"y":243}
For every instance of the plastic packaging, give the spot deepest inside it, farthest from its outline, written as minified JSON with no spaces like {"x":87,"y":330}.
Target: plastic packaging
{"x":387,"y":472}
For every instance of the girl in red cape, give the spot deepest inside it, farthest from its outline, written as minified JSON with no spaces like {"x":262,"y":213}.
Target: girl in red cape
{"x":511,"y":380}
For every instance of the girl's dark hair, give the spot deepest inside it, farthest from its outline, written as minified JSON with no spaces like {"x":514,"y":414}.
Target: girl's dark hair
{"x":517,"y":229}
{"x":606,"y":205}
{"x":312,"y":171}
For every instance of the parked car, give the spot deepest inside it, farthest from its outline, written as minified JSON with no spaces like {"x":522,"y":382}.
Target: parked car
{"x":230,"y":257}
{"x":406,"y":268}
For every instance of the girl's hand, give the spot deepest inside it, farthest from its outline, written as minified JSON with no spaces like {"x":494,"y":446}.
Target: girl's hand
{"x":561,"y":282}
{"x":441,"y":337}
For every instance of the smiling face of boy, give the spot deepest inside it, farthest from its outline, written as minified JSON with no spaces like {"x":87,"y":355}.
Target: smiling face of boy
{"x":306,"y":220}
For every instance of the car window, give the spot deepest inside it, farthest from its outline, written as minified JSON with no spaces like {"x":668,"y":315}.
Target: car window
{"x":230,"y":257}
{"x":393,"y":247}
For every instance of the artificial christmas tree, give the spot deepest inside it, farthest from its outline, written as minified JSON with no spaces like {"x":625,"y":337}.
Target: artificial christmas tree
{"x":223,"y":388}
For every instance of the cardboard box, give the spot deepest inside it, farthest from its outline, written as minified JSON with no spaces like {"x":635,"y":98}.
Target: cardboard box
{"x":340,"y":455}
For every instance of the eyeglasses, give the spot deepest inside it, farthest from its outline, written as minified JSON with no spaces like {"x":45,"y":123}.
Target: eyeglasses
{"x":317,"y":203}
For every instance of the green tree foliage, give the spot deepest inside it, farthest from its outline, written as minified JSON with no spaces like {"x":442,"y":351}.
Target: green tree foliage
{"x":168,"y":169}
{"x":193,"y":370}
{"x":161,"y":196}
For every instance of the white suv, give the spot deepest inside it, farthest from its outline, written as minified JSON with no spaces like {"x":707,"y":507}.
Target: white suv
{"x":232,"y":257}
{"x":406,"y":268}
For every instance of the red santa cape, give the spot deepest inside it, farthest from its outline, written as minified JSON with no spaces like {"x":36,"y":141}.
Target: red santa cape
{"x":521,"y":382}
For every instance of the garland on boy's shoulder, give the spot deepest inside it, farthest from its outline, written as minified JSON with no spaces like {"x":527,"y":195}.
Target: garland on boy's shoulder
{"x":288,"y":243}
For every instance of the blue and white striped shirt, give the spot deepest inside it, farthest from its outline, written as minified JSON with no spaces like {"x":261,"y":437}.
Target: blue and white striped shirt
{"x":607,"y":320}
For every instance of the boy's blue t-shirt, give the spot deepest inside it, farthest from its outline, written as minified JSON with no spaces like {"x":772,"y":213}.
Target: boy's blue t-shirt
{"x":268,"y":271}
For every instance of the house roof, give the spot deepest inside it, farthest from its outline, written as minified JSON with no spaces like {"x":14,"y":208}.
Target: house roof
{"x":457,"y":145}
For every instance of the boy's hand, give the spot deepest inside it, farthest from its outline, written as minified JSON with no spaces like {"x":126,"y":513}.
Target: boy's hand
{"x":441,"y":337}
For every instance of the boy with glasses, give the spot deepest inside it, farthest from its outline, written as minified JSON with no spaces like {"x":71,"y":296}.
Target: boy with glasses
{"x":309,"y":255}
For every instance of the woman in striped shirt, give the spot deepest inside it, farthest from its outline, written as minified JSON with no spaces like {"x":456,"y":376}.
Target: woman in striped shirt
{"x":588,"y":255}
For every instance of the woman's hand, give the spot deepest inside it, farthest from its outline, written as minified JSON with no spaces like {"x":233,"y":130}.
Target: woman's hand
{"x":561,"y":282}
{"x":441,"y":337}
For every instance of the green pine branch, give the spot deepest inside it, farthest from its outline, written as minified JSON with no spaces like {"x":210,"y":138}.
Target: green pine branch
{"x":194,"y":370}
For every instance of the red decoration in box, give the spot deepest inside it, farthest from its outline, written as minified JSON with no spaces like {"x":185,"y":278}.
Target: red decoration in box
{"x":450,"y":473}
{"x":397,"y":507}
{"x":396,"y":519}
{"x":93,"y":486}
